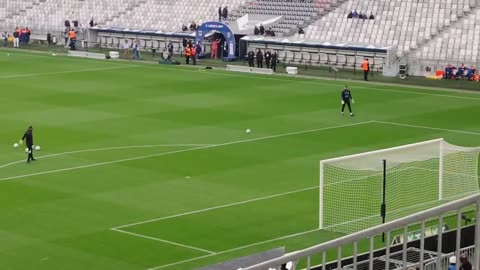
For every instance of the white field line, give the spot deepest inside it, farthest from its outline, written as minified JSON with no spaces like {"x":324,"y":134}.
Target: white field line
{"x":66,"y":72}
{"x":182,"y":151}
{"x":430,"y":128}
{"x":105,"y":149}
{"x":234,"y":249}
{"x":293,"y":235}
{"x":286,"y":79}
{"x":216,"y":207}
{"x":165,"y":241}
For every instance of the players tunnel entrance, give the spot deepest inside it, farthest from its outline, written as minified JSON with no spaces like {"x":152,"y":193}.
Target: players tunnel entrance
{"x":217,"y":36}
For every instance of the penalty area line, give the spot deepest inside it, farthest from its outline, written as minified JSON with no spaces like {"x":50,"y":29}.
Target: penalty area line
{"x":184,"y":150}
{"x":235,"y":249}
{"x":164,"y":241}
{"x":105,"y":149}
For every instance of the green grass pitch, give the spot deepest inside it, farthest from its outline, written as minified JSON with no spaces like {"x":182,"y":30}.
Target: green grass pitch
{"x":165,"y":149}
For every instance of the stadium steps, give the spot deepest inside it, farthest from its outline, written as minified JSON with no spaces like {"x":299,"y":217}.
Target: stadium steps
{"x":318,"y":17}
{"x":411,"y":54}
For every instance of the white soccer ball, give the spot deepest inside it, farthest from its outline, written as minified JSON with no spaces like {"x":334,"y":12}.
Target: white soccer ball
{"x":248,"y":131}
{"x":53,"y":54}
{"x":15,"y":145}
{"x":26,"y":150}
{"x":37,"y":147}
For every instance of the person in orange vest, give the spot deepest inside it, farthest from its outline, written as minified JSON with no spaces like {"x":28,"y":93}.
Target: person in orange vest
{"x":193,"y":51}
{"x":73,"y":38}
{"x":188,"y":53}
{"x":366,"y":69}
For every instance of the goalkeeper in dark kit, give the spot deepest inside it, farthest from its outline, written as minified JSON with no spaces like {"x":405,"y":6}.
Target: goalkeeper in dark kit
{"x":347,"y":99}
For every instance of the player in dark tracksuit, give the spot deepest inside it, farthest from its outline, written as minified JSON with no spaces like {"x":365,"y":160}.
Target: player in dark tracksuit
{"x":28,"y":138}
{"x":347,"y":99}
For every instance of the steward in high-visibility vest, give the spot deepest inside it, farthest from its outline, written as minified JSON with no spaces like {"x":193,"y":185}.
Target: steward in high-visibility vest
{"x":366,"y":69}
{"x":188,"y":53}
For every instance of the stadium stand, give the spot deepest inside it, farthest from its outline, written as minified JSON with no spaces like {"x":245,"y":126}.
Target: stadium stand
{"x":406,"y":24}
{"x":171,"y":15}
{"x":460,"y":43}
{"x":294,"y":13}
{"x":49,"y":15}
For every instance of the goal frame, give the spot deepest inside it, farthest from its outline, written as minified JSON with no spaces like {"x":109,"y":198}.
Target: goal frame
{"x":359,"y":155}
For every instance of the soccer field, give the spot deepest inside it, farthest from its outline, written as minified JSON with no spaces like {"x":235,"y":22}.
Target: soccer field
{"x":149,"y":167}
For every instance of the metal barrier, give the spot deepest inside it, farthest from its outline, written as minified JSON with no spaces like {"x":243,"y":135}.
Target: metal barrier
{"x":437,"y":213}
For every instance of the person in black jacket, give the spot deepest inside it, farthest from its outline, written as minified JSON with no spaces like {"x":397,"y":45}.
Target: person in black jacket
{"x":220,"y":13}
{"x":274,"y":61}
{"x":259,"y":59}
{"x":268,"y":57}
{"x":262,"y":30}
{"x":251,"y":58}
{"x":225,"y":13}
{"x":28,"y":138}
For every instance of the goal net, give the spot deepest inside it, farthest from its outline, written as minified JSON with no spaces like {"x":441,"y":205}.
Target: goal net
{"x":418,"y":176}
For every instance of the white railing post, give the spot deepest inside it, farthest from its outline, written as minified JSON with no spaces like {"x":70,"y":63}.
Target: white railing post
{"x":440,"y":172}
{"x":320,"y":209}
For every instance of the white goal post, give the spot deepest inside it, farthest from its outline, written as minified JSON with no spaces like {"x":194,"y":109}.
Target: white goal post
{"x":418,"y":176}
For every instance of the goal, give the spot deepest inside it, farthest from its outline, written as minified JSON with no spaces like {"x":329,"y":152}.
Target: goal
{"x":417,"y":177}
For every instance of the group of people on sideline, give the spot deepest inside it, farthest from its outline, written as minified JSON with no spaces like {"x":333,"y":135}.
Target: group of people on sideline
{"x":21,"y":35}
{"x":271,"y":59}
{"x":455,"y":73}
{"x":359,"y":15}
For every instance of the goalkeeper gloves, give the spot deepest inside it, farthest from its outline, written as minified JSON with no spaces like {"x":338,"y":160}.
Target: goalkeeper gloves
{"x":343,"y":102}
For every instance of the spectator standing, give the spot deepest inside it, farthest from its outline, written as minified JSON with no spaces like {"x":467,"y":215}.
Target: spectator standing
{"x":184,"y":43}
{"x":259,"y":59}
{"x":350,"y":15}
{"x":268,"y":57}
{"x":251,"y":58}
{"x":170,"y":47}
{"x":16,"y":39}
{"x":27,"y":37}
{"x":198,"y":49}
{"x":5,"y":39}
{"x":465,"y":264}
{"x":262,"y":30}
{"x":193,"y":26}
{"x":136,"y":50}
{"x":220,"y":13}
{"x":371,"y":17}
{"x":91,"y":23}
{"x":126,"y":49}
{"x":49,"y":39}
{"x":256,"y":31}
{"x":225,"y":13}
{"x":274,"y":61}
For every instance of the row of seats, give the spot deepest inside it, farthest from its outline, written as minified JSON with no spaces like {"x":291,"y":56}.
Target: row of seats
{"x":406,"y":24}
{"x":49,"y":15}
{"x":461,"y":42}
{"x":295,"y":13}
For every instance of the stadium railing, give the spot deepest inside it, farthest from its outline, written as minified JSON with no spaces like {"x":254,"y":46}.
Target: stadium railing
{"x":437,"y":213}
